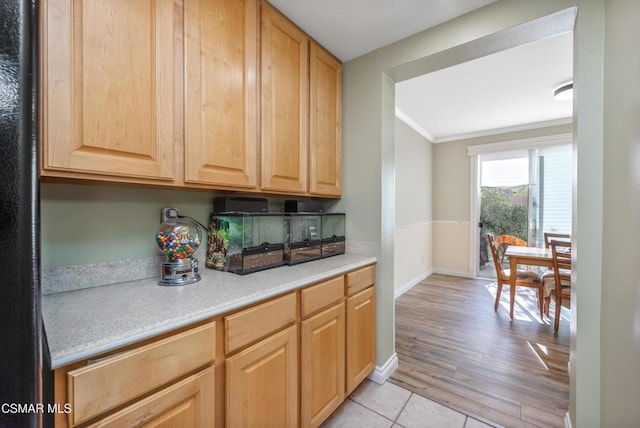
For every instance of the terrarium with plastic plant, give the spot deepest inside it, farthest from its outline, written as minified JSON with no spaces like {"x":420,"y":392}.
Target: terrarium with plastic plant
{"x":245,"y":242}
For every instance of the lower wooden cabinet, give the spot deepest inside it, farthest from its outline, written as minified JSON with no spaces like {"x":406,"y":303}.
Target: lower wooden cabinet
{"x":322,"y":355}
{"x":189,"y":403}
{"x":286,"y":362}
{"x":361,"y":337}
{"x":150,"y":382}
{"x":262,"y":383}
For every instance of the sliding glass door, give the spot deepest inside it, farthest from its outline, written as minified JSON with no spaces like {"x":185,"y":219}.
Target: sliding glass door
{"x":524,"y":194}
{"x":555,"y":182}
{"x":504,"y":201}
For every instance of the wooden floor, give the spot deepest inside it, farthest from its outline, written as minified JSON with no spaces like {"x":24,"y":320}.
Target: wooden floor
{"x":453,"y":348}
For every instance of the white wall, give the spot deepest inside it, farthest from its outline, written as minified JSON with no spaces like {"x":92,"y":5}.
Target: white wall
{"x":413,"y":180}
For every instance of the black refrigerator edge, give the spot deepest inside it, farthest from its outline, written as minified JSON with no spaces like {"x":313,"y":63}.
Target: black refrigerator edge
{"x":21,"y":333}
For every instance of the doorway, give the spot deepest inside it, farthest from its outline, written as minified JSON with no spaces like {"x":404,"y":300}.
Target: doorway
{"x":523,"y":193}
{"x":505,"y":198}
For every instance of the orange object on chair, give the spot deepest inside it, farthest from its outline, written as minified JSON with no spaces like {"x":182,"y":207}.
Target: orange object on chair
{"x":524,"y":278}
{"x":504,"y":241}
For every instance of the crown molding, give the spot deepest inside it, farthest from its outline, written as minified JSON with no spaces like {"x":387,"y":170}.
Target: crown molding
{"x":486,"y":133}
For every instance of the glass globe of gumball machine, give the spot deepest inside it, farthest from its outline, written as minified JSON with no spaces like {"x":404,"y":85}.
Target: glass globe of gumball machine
{"x":178,"y":238}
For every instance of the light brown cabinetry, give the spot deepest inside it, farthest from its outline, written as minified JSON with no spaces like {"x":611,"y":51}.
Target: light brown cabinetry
{"x":361,"y":322}
{"x":285,"y":103}
{"x":127,"y":98}
{"x":322,"y":354}
{"x":288,"y":361}
{"x":188,"y":403}
{"x":249,"y":325}
{"x":301,"y":111}
{"x":221,"y":93}
{"x":108,"y":90}
{"x":325,"y":123}
{"x":262,"y":380}
{"x":337,"y":350}
{"x":262,"y":383}
{"x":94,"y":389}
{"x":172,"y":93}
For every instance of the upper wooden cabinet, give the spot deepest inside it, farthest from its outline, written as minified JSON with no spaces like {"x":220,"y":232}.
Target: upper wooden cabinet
{"x":210,"y":94}
{"x":301,"y":111}
{"x":285,"y":104}
{"x":221,"y":92}
{"x":108,"y":89}
{"x":325,"y":123}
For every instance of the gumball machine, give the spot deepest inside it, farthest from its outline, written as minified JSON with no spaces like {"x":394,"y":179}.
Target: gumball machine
{"x":178,"y":238}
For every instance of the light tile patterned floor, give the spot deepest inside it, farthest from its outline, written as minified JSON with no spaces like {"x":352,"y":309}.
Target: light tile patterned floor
{"x":388,"y":405}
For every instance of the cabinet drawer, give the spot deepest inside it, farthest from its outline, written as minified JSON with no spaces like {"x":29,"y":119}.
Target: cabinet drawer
{"x":254,"y":323}
{"x":187,"y":403}
{"x":360,"y":279}
{"x":321,"y":295}
{"x":101,"y":386}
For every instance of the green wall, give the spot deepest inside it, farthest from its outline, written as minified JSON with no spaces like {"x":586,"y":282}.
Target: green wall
{"x":620,"y":284}
{"x":368,"y":85}
{"x":82,"y":224}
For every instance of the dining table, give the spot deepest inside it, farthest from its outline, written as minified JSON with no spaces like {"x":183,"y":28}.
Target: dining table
{"x":531,"y":256}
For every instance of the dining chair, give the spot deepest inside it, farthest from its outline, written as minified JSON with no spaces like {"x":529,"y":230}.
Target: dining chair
{"x":548,"y":277}
{"x":548,"y":236}
{"x":561,"y":255}
{"x":524,"y":278}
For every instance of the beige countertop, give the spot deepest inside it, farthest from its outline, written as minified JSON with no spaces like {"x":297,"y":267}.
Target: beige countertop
{"x":84,"y":323}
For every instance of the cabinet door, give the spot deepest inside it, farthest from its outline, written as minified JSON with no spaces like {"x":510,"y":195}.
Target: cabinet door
{"x":108,"y":89}
{"x":325,"y":130}
{"x":322,"y":359}
{"x":361,"y":343}
{"x":221,"y":98}
{"x":188,"y":403}
{"x":262,"y":383}
{"x":285,"y":104}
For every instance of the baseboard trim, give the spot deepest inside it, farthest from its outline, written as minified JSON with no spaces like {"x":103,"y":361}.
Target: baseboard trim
{"x":452,"y":272}
{"x":381,"y":374}
{"x":567,"y":420}
{"x":409,"y":285}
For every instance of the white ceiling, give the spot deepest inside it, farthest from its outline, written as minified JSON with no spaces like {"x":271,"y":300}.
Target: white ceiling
{"x":506,"y":91}
{"x":350,"y":28}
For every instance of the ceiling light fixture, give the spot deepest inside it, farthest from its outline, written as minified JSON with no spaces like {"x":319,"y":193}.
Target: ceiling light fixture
{"x":564,"y":92}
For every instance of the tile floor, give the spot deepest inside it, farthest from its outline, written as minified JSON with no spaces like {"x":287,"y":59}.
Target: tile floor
{"x":388,"y":405}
